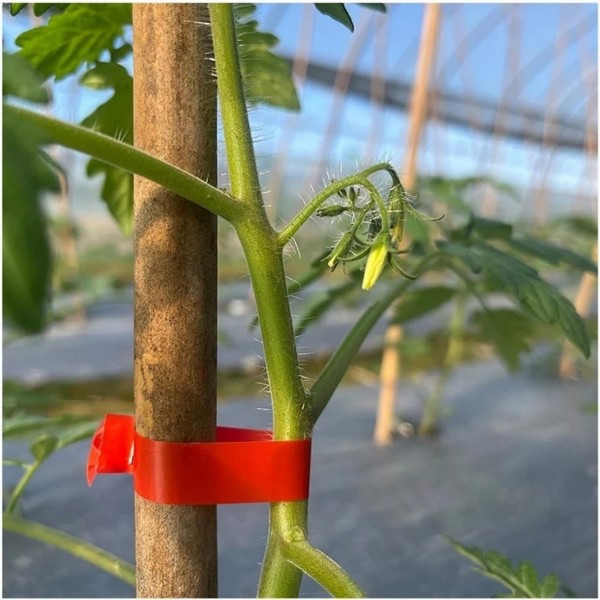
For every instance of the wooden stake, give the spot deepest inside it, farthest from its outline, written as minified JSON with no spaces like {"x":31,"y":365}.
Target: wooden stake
{"x":175,"y":287}
{"x":417,"y":116}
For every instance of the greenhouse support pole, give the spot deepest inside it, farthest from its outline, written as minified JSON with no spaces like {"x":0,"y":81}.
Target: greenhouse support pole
{"x":390,"y":360}
{"x":175,"y":287}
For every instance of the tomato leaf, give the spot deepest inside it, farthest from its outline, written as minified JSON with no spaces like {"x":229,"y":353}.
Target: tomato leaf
{"x":374,"y":6}
{"x":419,"y":302}
{"x":267,"y":77}
{"x":16,"y":7}
{"x":320,"y":303}
{"x":507,"y":330}
{"x":522,"y":581}
{"x":491,"y":229}
{"x":21,"y":81}
{"x":338,"y":13}
{"x":536,"y":296}
{"x":553,"y":254}
{"x":44,"y":446}
{"x":74,"y":37}
{"x":114,"y":118}
{"x":27,"y":175}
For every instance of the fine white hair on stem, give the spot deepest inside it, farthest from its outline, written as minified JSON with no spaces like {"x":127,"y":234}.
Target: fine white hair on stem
{"x":200,"y":23}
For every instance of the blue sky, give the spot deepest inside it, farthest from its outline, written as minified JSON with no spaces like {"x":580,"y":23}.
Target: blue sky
{"x":537,"y":30}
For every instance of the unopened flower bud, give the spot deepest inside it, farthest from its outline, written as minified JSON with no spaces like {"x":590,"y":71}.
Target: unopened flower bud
{"x":333,"y":210}
{"x":340,"y":249}
{"x":376,"y":261}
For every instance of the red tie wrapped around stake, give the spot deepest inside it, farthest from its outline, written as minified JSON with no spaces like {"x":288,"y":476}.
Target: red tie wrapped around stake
{"x":242,"y":465}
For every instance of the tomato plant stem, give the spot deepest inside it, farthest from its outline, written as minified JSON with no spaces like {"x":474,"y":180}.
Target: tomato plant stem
{"x":28,"y":472}
{"x":128,"y":158}
{"x":89,"y":552}
{"x":243,"y":174}
{"x":431,"y":410}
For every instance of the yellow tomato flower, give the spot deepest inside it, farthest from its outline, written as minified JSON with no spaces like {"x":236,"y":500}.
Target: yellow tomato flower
{"x":376,"y":261}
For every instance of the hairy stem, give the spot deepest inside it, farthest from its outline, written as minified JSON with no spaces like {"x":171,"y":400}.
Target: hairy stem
{"x":323,"y":569}
{"x":291,"y":411}
{"x":238,"y":136}
{"x":77,"y":547}
{"x":288,"y":232}
{"x":128,"y":158}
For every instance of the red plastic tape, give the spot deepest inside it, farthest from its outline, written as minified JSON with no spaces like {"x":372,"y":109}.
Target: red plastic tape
{"x":242,"y":465}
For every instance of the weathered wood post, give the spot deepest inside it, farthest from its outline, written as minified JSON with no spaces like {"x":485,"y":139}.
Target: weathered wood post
{"x":390,"y":360}
{"x":175,"y":286}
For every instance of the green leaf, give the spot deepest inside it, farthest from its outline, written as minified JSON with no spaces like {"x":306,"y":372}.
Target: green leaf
{"x":508,"y":330}
{"x":267,"y":77}
{"x":21,"y":81}
{"x":451,"y":191}
{"x":414,"y":346}
{"x":14,"y":462}
{"x":587,"y":226}
{"x":338,"y":13}
{"x":75,"y":37}
{"x":553,"y":254}
{"x":319,"y":304}
{"x":121,"y":53}
{"x":114,"y":118}
{"x":526,"y":573}
{"x":374,"y":6}
{"x":490,"y":229}
{"x":416,"y":229}
{"x":522,"y":581}
{"x":16,"y":7}
{"x":41,"y":8}
{"x":64,"y":427}
{"x":18,"y":398}
{"x":117,"y":192}
{"x":26,"y":258}
{"x":44,"y":446}
{"x":76,"y":433}
{"x":419,"y":302}
{"x":21,"y":424}
{"x":536,"y":296}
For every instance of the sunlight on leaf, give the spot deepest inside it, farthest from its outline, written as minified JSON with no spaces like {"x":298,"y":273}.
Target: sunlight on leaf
{"x":114,"y":118}
{"x":73,"y":38}
{"x":267,"y":77}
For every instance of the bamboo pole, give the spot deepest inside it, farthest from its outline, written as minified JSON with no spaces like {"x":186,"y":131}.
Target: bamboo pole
{"x":175,"y":287}
{"x":390,"y":361}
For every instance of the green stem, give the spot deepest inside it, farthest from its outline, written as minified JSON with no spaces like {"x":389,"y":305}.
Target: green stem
{"x":291,"y":412}
{"x":75,"y":546}
{"x":324,"y":570}
{"x":265,"y":265}
{"x":288,"y":232}
{"x":28,"y":472}
{"x":238,"y":136}
{"x":128,"y":158}
{"x":323,"y":388}
{"x":431,"y":410}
